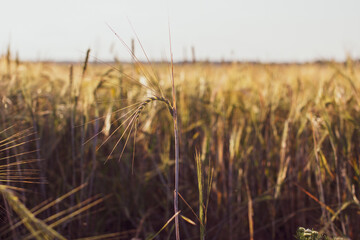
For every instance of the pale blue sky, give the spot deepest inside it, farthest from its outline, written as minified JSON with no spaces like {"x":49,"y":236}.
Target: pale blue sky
{"x":265,"y":30}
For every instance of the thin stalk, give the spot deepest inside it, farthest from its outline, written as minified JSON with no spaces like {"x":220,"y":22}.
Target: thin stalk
{"x":201,"y":198}
{"x":83,"y":128}
{"x":72,"y":127}
{"x":176,"y":203}
{"x":176,"y":135}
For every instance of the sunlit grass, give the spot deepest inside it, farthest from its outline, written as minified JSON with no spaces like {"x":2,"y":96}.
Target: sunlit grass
{"x":282,"y":141}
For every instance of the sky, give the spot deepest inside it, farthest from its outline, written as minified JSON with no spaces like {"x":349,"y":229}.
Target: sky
{"x":257,"y":30}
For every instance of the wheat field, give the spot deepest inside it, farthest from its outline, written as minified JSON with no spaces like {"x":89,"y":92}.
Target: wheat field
{"x":87,"y":151}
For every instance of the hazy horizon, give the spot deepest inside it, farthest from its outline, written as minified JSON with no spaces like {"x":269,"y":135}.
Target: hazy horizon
{"x":276,"y":31}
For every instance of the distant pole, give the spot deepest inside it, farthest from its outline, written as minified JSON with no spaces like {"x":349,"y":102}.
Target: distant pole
{"x":8,"y":59}
{"x":185,"y":55}
{"x":193,"y":54}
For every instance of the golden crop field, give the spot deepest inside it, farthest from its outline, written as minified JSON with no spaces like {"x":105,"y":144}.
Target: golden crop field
{"x":87,"y":150}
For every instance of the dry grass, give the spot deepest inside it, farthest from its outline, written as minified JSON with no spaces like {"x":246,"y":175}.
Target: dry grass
{"x":283,"y":141}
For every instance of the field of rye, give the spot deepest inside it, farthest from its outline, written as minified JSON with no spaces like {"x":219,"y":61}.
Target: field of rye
{"x":264,"y":149}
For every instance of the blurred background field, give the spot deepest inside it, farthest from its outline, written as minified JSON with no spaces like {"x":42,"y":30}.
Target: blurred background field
{"x":282,"y":141}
